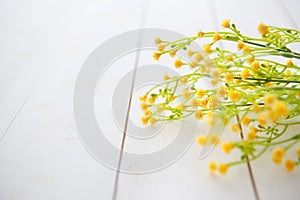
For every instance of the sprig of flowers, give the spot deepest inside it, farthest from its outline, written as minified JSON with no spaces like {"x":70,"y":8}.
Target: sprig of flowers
{"x":258,"y":84}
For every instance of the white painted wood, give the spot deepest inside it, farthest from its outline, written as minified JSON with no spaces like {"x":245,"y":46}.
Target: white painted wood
{"x":41,"y":156}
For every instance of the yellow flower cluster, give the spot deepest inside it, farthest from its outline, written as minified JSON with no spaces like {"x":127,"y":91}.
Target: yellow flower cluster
{"x":246,"y":84}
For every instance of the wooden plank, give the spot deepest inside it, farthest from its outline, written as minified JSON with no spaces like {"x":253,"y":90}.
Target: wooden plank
{"x":41,"y":155}
{"x":188,"y":177}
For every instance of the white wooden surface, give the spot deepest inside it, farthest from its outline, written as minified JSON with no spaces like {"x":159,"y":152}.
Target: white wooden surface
{"x":43,"y":45}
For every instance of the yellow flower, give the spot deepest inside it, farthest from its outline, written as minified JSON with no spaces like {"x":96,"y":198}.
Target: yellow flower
{"x":145,"y":120}
{"x":217,"y":37}
{"x":156,"y":55}
{"x":251,"y":135}
{"x":216,"y":74}
{"x":253,"y":129}
{"x":288,"y":73}
{"x":204,"y":102}
{"x":190,"y":53}
{"x":223,"y":168}
{"x":255,"y":66}
{"x":246,"y":49}
{"x":281,"y":109}
{"x":256,"y":108}
{"x":151,"y":100}
{"x":235,"y":95}
{"x":250,"y":60}
{"x":227,"y":147}
{"x":181,"y":106}
{"x":262,"y":119}
{"x":200,"y":93}
{"x":246,"y":121}
{"x":263,"y":29}
{"x":222,"y":91}
{"x":199,"y":114}
{"x":240,"y":45}
{"x":212,"y":102}
{"x":229,"y":58}
{"x":289,"y":63}
{"x":212,"y":167}
{"x":166,"y":77}
{"x":148,"y":112}
{"x":161,"y":47}
{"x":195,"y":103}
{"x":157,"y":41}
{"x":214,"y":82}
{"x":238,"y":81}
{"x":200,"y":34}
{"x":178,"y":63}
{"x":269,"y":99}
{"x":229,"y":77}
{"x":143,"y":98}
{"x":172,"y":53}
{"x":206,"y":48}
{"x":290,"y":165}
{"x":144,"y":105}
{"x":245,"y":73}
{"x":235,"y":128}
{"x":278,"y":154}
{"x":201,"y":140}
{"x":198,"y":57}
{"x":226,"y":23}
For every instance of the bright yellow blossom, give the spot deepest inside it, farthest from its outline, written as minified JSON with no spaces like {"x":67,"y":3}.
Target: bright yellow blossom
{"x":178,"y":63}
{"x":207,"y":48}
{"x":235,"y":128}
{"x":199,"y":114}
{"x":263,"y":29}
{"x":245,"y":73}
{"x":223,"y":168}
{"x":289,"y":63}
{"x":226,"y":23}
{"x":278,"y":154}
{"x":290,"y":165}
{"x":217,"y":37}
{"x":269,"y":99}
{"x":235,"y":95}
{"x":227,"y":147}
{"x":255,"y":66}
{"x":246,"y":121}
{"x":212,"y":167}
{"x":145,"y":120}
{"x":156,"y":55}
{"x":229,"y":77}
{"x":251,"y":135}
{"x":201,"y":140}
{"x":281,"y":109}
{"x":200,"y":34}
{"x":240,"y":45}
{"x":200,"y":93}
